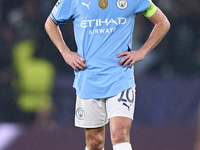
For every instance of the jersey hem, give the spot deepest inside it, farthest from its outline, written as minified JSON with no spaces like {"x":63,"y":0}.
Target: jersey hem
{"x":106,"y":96}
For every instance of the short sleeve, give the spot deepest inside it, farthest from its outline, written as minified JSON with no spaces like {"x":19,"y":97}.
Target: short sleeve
{"x":142,"y":5}
{"x":62,"y":11}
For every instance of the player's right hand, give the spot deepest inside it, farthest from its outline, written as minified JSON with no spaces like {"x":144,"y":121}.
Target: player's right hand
{"x":74,"y":60}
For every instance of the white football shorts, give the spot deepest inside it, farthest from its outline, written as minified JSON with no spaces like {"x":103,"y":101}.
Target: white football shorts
{"x":94,"y":113}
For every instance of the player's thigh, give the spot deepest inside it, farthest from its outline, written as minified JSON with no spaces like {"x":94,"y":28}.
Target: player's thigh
{"x":90,"y":113}
{"x":120,"y":109}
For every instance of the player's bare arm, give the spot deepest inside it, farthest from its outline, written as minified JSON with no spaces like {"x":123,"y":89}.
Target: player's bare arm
{"x":71,"y":58}
{"x":161,"y":27}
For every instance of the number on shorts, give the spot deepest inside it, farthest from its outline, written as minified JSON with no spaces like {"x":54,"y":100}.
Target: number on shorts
{"x":121,"y":99}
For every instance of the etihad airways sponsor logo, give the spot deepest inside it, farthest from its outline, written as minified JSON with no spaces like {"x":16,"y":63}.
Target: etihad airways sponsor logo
{"x":100,"y":31}
{"x":102,"y":23}
{"x":99,"y":22}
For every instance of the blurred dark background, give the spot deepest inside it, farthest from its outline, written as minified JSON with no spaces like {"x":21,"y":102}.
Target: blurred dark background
{"x":36,"y":95}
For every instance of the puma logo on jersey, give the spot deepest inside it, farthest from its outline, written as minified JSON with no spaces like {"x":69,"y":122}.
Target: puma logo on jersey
{"x":87,"y":5}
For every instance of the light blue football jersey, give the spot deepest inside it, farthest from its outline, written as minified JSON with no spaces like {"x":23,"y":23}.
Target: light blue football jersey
{"x":101,"y":34}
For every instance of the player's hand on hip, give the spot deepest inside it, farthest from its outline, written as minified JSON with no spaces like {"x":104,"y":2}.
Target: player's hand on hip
{"x":75,"y":61}
{"x":130,"y":58}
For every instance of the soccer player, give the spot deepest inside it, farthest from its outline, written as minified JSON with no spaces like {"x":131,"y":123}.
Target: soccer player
{"x":104,"y":62}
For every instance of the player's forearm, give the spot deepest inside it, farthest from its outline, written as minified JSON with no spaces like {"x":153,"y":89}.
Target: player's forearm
{"x":161,"y":27}
{"x":55,"y":35}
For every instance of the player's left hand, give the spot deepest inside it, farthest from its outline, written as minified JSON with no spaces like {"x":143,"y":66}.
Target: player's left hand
{"x":130,"y":58}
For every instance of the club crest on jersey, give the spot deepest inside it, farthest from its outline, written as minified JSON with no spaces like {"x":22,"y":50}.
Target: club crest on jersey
{"x":80,"y":114}
{"x":122,"y":4}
